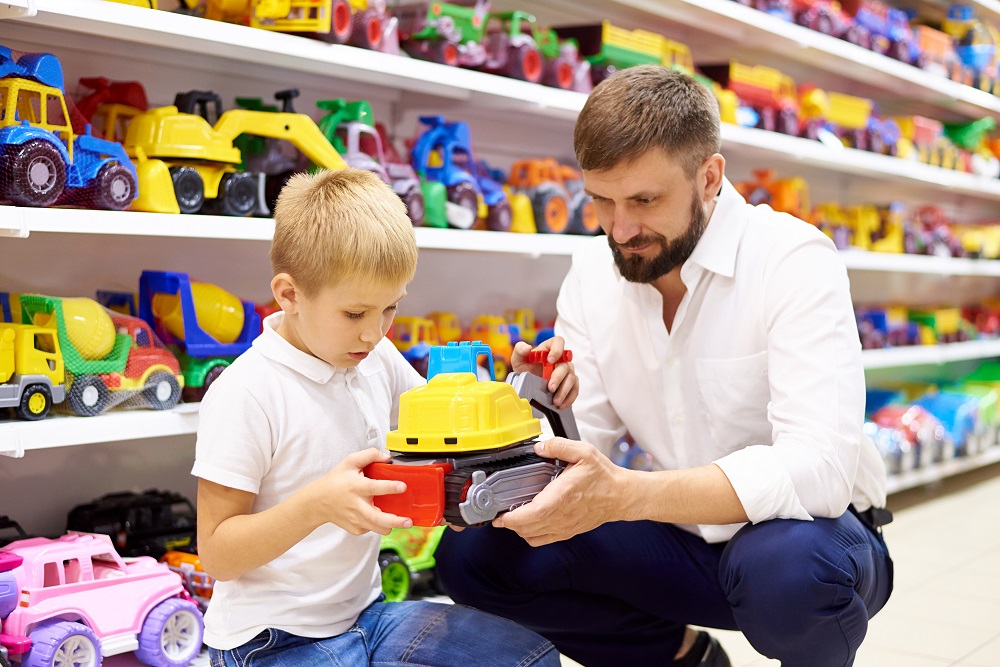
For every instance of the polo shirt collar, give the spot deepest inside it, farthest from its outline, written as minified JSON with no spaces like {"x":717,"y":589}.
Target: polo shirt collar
{"x":717,"y":249}
{"x":277,"y":349}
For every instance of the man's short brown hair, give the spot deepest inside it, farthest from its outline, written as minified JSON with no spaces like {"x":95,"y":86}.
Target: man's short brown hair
{"x":645,"y":107}
{"x":338,"y":225}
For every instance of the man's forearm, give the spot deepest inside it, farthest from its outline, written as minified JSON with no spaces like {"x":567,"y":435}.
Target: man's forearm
{"x":694,"y":496}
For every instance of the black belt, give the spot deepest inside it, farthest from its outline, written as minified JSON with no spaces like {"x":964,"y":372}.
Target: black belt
{"x":873,"y":517}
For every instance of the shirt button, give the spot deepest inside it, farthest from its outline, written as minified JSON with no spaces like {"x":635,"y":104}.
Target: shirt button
{"x":671,"y":360}
{"x":677,"y":418}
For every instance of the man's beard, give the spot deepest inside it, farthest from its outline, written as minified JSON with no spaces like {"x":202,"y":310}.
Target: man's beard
{"x":673,"y":253}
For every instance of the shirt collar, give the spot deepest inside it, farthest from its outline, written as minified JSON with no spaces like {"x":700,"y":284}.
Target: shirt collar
{"x":717,"y":249}
{"x":271,"y":344}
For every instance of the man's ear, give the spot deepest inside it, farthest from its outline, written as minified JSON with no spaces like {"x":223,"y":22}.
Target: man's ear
{"x":285,"y":292}
{"x":714,"y":169}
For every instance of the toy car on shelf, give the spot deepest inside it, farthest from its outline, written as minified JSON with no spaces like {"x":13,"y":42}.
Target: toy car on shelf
{"x":208,"y":326}
{"x":140,"y":524}
{"x":42,"y":160}
{"x":74,"y":601}
{"x":443,"y":153}
{"x":198,"y":583}
{"x":113,"y":359}
{"x":32,"y":373}
{"x":465,"y":448}
{"x":185,"y":162}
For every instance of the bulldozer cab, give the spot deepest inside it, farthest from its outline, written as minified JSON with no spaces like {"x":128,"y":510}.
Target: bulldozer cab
{"x":197,"y":102}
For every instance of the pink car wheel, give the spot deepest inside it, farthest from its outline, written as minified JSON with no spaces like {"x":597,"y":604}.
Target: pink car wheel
{"x":64,"y":644}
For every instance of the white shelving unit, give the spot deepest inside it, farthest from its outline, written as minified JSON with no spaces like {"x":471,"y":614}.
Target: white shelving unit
{"x":131,"y":42}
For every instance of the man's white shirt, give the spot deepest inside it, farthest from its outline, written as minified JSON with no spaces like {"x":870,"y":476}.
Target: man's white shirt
{"x":760,"y":373}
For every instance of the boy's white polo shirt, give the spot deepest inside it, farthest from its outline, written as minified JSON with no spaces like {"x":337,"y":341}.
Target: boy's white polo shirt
{"x":274,"y":421}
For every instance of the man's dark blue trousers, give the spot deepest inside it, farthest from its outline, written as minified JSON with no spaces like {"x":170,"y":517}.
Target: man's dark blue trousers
{"x":800,"y":591}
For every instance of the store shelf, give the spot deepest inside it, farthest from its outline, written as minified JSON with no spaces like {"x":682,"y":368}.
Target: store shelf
{"x":23,"y":221}
{"x":186,"y":36}
{"x":921,"y":355}
{"x":129,"y":660}
{"x":19,"y":437}
{"x":743,"y":25}
{"x":862,"y":260}
{"x":861,"y":163}
{"x":938,"y":471}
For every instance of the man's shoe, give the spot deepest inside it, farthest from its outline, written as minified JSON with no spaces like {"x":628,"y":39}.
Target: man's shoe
{"x":715,"y":655}
{"x":705,"y":652}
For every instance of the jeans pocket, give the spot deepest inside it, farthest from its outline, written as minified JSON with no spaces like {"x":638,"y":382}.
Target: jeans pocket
{"x":256,"y":648}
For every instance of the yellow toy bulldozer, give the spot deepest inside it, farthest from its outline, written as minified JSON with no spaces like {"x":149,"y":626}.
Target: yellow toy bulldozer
{"x":185,"y":163}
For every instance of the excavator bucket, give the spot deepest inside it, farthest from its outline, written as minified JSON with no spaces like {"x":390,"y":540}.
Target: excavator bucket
{"x":156,"y":187}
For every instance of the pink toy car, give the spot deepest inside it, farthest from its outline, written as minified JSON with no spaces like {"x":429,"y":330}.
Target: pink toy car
{"x":73,"y":601}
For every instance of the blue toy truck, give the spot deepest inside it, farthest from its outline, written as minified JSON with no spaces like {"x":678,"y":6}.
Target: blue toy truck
{"x":443,"y":153}
{"x":42,"y":161}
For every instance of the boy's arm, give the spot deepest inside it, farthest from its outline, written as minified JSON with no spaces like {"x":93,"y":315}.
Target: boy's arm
{"x":232,"y":540}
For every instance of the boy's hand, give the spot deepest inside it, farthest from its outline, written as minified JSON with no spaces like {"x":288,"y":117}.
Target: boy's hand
{"x":563,"y":382}
{"x":344,"y":495}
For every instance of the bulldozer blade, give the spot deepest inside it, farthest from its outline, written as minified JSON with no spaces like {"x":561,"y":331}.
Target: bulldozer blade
{"x":156,"y":188}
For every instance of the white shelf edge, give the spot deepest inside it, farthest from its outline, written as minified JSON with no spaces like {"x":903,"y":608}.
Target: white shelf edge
{"x":921,"y":355}
{"x":861,"y":163}
{"x":19,"y":437}
{"x":731,"y":20}
{"x":863,"y":260}
{"x":216,"y":39}
{"x":938,"y":471}
{"x":23,"y":221}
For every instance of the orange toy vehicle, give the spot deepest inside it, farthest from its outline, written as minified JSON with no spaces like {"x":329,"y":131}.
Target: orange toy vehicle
{"x":557,"y":198}
{"x":494,"y":331}
{"x":788,"y":195}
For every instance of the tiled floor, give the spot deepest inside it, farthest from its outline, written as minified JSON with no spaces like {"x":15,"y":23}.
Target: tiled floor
{"x":945,"y":609}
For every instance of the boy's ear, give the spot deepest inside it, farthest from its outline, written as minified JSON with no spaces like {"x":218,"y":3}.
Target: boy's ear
{"x":285,"y":292}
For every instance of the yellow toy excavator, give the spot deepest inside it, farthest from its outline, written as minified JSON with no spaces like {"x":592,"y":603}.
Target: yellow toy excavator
{"x":185,"y":163}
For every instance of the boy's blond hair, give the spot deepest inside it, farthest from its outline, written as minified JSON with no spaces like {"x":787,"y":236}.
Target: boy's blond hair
{"x":337,"y":225}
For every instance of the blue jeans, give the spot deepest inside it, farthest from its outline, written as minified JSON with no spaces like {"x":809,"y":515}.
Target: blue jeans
{"x":401,"y":633}
{"x":800,"y":591}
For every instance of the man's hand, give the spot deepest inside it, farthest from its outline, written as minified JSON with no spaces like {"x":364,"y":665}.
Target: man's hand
{"x":344,"y":495}
{"x":581,"y":498}
{"x":563,"y":382}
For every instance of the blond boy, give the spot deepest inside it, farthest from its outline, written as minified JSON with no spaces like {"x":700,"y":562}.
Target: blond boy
{"x":286,"y":522}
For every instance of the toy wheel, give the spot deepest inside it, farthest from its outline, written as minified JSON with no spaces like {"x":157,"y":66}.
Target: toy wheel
{"x":162,"y":391}
{"x":171,"y":634}
{"x":444,"y":52}
{"x":342,"y":22}
{"x":525,"y":63}
{"x":415,"y":207}
{"x":499,"y":218}
{"x":499,"y":369}
{"x":857,"y":35}
{"x":395,"y":576}
{"x":113,"y":189}
{"x":212,"y":375}
{"x":768,"y":119}
{"x":788,"y":122}
{"x":33,"y":173}
{"x":238,"y":194}
{"x":551,"y":213}
{"x":562,"y":73}
{"x":824,"y":24}
{"x":367,"y":30}
{"x":63,"y":644}
{"x":585,"y":219}
{"x":900,"y":51}
{"x":35,"y":403}
{"x":465,"y":196}
{"x":88,"y":395}
{"x":189,"y":189}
